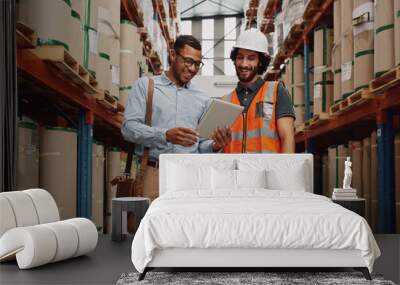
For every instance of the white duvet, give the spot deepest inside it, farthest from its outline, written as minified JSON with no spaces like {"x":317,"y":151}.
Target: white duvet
{"x":253,"y":218}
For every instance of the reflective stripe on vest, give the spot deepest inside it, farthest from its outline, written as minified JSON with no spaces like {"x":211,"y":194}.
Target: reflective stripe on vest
{"x":252,"y":133}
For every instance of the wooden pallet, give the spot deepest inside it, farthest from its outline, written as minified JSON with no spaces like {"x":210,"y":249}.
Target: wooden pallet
{"x":104,"y":98}
{"x":296,"y":31}
{"x":385,"y":81}
{"x":69,"y":68}
{"x":335,"y":109}
{"x":26,"y":37}
{"x":359,"y":97}
{"x":317,"y":120}
{"x":353,"y":100}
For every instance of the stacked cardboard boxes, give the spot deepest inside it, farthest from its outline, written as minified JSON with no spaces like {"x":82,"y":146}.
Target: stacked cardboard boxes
{"x":323,"y":76}
{"x":384,"y":36}
{"x":363,"y":31}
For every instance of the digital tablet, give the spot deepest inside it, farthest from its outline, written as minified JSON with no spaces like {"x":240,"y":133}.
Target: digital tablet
{"x":219,"y":114}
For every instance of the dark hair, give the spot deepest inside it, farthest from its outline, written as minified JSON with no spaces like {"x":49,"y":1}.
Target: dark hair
{"x":189,"y":40}
{"x":263,"y":58}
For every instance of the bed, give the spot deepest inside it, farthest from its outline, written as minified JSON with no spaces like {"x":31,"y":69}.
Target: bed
{"x":246,"y":211}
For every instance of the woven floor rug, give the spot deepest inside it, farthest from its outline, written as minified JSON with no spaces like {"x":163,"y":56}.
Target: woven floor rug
{"x":243,"y":278}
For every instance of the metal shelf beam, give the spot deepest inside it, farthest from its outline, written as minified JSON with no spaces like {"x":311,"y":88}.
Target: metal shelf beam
{"x":84,"y":175}
{"x":386,"y":196}
{"x":40,"y":71}
{"x":368,"y":109}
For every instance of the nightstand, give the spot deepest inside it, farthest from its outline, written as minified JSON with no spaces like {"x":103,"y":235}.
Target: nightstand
{"x":120,"y":208}
{"x":355,"y":205}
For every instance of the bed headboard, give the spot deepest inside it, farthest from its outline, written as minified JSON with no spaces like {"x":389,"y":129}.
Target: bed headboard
{"x":271,"y":160}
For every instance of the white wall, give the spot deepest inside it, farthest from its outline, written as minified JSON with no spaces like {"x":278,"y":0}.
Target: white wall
{"x":217,"y":85}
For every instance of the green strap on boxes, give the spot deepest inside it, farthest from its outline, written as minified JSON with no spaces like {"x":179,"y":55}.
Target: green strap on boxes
{"x":384,"y":28}
{"x":51,"y":42}
{"x":364,"y":52}
{"x":75,"y":14}
{"x":104,"y":55}
{"x":324,"y":84}
{"x":123,"y":88}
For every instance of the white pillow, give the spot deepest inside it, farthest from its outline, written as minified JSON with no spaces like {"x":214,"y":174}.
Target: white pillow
{"x":251,"y":178}
{"x":282,"y":174}
{"x":223,"y":179}
{"x":293,"y":180}
{"x":236,"y":179}
{"x":204,"y":161}
{"x":183,"y":178}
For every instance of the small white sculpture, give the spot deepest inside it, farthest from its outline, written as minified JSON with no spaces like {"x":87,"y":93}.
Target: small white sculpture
{"x":347,"y":174}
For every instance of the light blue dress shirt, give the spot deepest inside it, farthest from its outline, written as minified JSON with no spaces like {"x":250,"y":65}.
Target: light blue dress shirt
{"x":172,"y":107}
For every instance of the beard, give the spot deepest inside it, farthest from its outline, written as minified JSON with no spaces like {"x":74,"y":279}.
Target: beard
{"x":246,"y":78}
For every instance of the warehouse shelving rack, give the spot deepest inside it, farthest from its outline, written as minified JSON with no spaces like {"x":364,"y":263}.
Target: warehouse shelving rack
{"x":380,"y":111}
{"x":48,"y":97}
{"x":131,"y":12}
{"x":267,"y":25}
{"x":44,"y":89}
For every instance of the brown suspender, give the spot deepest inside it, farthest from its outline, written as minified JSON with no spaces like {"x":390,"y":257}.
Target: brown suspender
{"x":143,"y":165}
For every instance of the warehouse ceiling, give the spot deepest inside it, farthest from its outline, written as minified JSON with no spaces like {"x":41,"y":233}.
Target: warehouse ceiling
{"x":209,"y":8}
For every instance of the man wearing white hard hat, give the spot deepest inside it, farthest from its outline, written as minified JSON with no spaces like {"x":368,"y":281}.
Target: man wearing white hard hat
{"x":267,"y":121}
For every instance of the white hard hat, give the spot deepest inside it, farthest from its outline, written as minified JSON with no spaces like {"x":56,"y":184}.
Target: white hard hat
{"x":252,"y":39}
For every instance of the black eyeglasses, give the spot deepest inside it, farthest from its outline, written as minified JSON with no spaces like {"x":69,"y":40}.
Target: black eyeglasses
{"x":189,"y":62}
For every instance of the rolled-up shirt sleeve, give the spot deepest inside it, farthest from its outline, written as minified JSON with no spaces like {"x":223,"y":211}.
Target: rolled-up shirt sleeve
{"x":205,"y":146}
{"x":134,"y":128}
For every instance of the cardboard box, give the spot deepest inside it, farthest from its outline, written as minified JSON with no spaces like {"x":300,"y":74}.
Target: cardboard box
{"x":49,"y":19}
{"x":336,"y":21}
{"x":397,"y":180}
{"x":332,"y":170}
{"x":58,"y":167}
{"x":374,"y":182}
{"x":28,"y":156}
{"x":103,"y":72}
{"x":323,"y":92}
{"x":75,"y":36}
{"x":298,"y":69}
{"x":363,"y":31}
{"x":337,"y":73}
{"x":384,"y":36}
{"x":347,"y":51}
{"x":355,"y":149}
{"x":323,"y":43}
{"x":397,"y":31}
{"x":115,"y":68}
{"x":366,"y":174}
{"x":325,"y":175}
{"x":342,"y":155}
{"x":363,"y":59}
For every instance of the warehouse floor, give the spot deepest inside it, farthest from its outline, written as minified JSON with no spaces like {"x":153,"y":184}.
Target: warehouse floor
{"x":103,"y":266}
{"x":110,"y":260}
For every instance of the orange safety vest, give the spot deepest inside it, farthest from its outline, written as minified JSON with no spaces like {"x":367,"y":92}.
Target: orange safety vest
{"x":255,"y":131}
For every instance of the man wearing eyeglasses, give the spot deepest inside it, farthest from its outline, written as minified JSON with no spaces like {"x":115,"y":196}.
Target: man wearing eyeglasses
{"x":177,"y":108}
